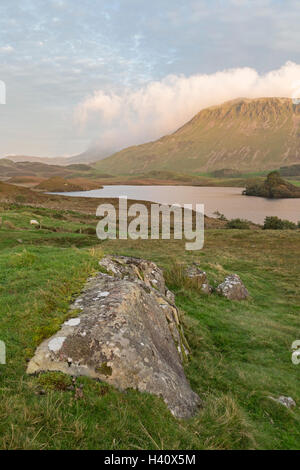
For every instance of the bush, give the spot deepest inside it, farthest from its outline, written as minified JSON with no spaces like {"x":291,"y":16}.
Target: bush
{"x":274,"y":223}
{"x":238,"y":224}
{"x":220,"y":216}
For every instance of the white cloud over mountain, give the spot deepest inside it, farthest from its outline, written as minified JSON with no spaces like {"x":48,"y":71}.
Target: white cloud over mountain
{"x":160,"y":107}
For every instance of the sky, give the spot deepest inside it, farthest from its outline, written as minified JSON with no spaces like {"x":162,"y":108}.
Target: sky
{"x":113,"y":73}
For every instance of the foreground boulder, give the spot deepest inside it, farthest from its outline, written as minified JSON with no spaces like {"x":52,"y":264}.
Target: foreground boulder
{"x":233,"y":288}
{"x":127,"y":334}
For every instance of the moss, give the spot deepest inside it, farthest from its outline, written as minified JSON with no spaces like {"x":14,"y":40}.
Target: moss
{"x":141,"y":274}
{"x":54,"y":381}
{"x":54,"y":324}
{"x":104,"y":369}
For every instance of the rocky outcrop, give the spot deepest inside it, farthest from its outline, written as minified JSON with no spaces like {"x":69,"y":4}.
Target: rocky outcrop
{"x":233,"y":288}
{"x":127,"y":333}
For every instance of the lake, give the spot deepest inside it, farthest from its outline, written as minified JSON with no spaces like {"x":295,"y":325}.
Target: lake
{"x":228,"y":201}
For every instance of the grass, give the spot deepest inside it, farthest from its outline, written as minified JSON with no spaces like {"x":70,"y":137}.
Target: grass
{"x":240,"y":351}
{"x":294,"y":182}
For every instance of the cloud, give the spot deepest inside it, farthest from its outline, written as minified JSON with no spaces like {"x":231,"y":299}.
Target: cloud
{"x":6,"y":49}
{"x":160,"y":107}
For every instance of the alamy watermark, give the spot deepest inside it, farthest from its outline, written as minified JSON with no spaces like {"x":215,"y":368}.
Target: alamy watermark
{"x":2,"y":92}
{"x":2,"y":352}
{"x":296,"y":352}
{"x":137,"y":222}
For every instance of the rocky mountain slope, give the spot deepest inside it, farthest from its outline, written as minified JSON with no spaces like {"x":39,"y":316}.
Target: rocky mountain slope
{"x":244,"y":134}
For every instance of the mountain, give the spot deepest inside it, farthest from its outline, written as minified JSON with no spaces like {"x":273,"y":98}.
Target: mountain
{"x":93,"y":154}
{"x":245,"y":135}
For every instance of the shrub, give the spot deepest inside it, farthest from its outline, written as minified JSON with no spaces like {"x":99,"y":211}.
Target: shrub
{"x":238,"y":224}
{"x":220,"y":216}
{"x":274,"y":223}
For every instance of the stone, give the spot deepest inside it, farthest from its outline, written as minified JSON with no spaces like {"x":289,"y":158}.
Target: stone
{"x":134,"y":269}
{"x":233,"y":288}
{"x":206,"y":288}
{"x":195,"y":273}
{"x":288,"y":402}
{"x":138,"y":270}
{"x":170,"y":296}
{"x":130,"y":338}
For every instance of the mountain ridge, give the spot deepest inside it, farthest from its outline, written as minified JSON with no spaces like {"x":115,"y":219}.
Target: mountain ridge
{"x":242,"y":134}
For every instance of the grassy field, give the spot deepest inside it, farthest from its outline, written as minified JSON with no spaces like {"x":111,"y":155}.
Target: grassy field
{"x":241,"y":352}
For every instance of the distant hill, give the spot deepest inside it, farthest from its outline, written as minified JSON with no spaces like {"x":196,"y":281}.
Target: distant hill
{"x":244,"y":135}
{"x":46,"y":160}
{"x":10,"y":169}
{"x":58,"y":184}
{"x":89,"y":156}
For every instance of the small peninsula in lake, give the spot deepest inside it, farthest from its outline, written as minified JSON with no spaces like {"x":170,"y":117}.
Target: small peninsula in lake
{"x":274,"y":187}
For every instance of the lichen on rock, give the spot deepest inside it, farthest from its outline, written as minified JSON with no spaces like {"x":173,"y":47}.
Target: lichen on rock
{"x":131,"y":337}
{"x":233,"y":288}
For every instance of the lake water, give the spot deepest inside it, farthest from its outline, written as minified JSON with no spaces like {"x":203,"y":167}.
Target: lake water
{"x":228,"y":201}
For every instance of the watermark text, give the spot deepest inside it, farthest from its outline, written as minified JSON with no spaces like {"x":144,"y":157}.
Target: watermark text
{"x":296,"y":352}
{"x":2,"y":92}
{"x":161,"y":221}
{"x":2,"y":352}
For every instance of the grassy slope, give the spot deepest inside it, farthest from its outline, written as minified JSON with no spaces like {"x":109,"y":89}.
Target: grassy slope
{"x":246,"y":135}
{"x":240,"y":351}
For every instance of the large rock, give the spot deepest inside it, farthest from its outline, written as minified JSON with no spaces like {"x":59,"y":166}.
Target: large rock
{"x":127,"y":334}
{"x":233,"y":288}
